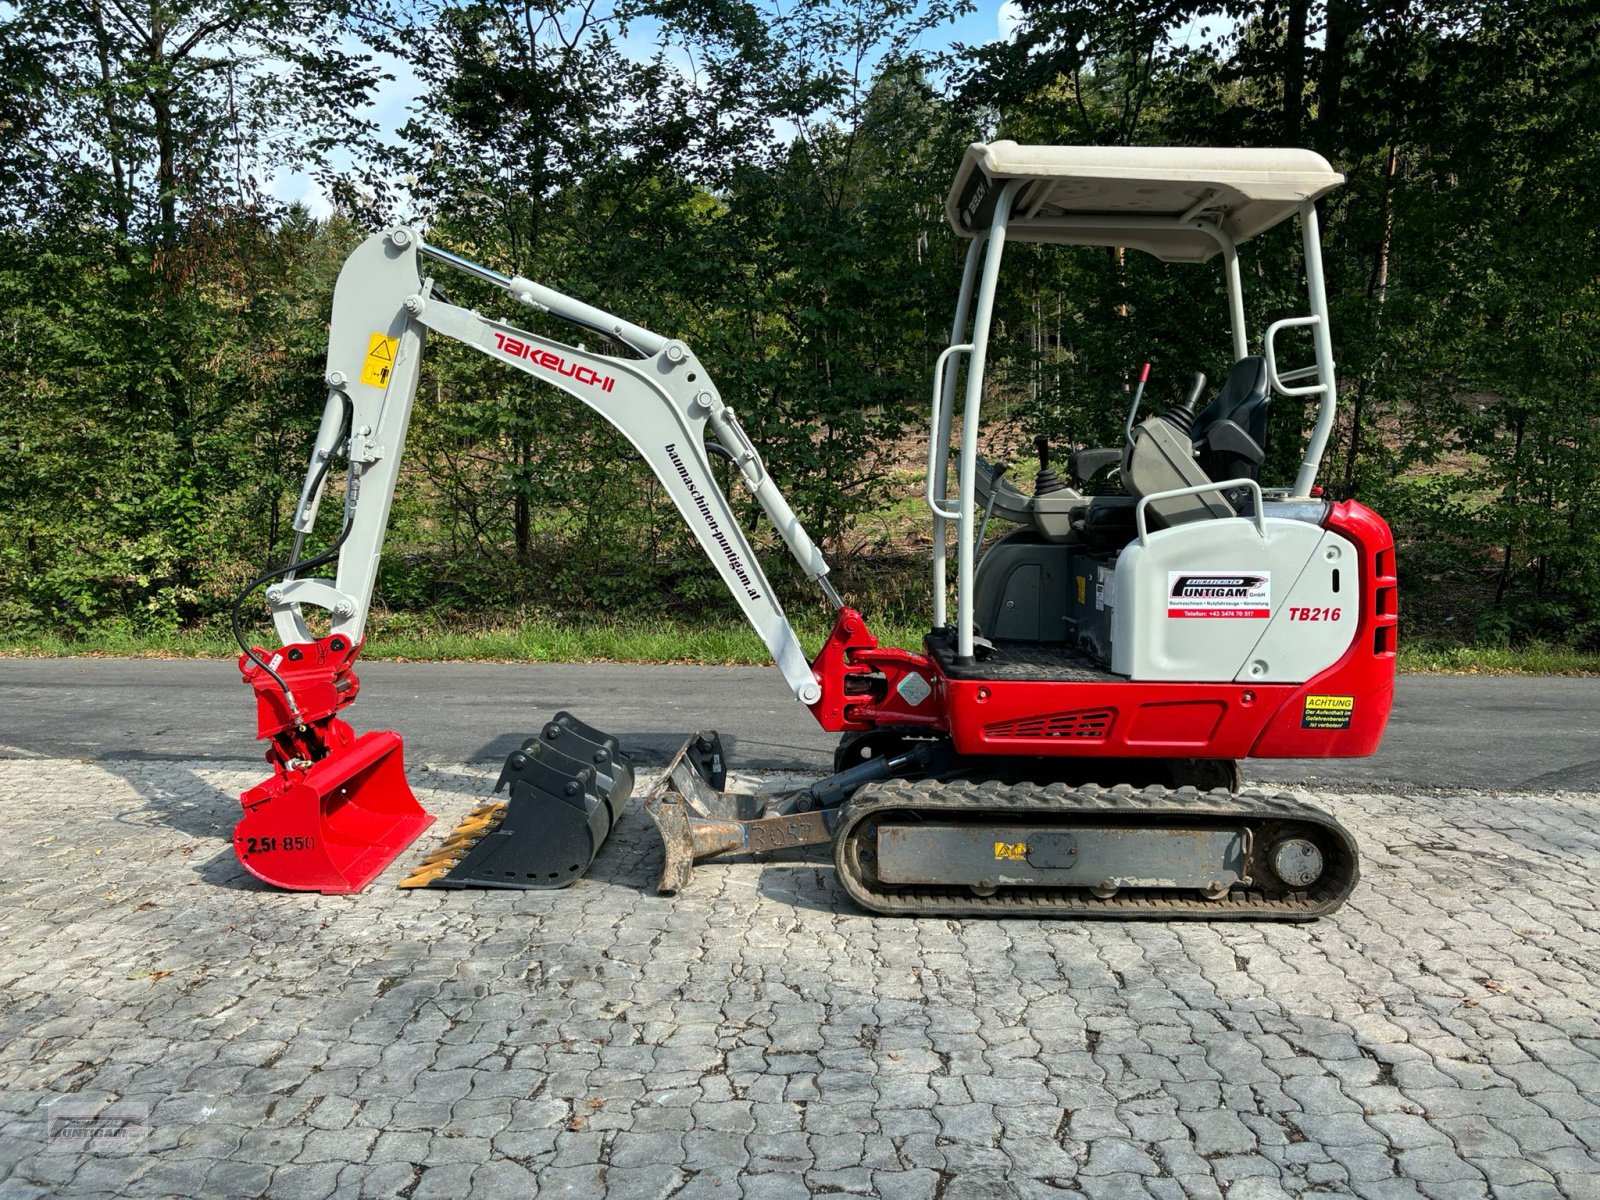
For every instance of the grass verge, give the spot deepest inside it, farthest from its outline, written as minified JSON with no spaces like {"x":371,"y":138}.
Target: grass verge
{"x":639,"y":641}
{"x":1539,"y":659}
{"x":662,"y":641}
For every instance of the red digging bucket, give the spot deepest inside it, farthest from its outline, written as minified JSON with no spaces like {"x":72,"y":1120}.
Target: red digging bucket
{"x":334,"y":826}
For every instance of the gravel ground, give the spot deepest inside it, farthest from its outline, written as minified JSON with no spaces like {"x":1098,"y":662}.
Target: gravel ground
{"x":169,"y":1026}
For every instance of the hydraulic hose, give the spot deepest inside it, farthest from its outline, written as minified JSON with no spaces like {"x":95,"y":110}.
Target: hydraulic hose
{"x":295,"y":564}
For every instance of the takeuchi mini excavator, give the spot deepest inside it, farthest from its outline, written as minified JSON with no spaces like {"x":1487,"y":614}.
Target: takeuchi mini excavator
{"x":1148,"y":631}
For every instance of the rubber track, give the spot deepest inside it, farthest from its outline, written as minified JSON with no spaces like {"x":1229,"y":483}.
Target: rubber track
{"x":975,"y":801}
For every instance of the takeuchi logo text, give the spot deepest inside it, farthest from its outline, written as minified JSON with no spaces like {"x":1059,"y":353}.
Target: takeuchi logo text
{"x":517,"y":348}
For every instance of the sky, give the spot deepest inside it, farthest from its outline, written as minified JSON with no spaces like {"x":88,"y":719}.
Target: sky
{"x":991,"y":19}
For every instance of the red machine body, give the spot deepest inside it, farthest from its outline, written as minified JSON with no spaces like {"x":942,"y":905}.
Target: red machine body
{"x":1134,"y":719}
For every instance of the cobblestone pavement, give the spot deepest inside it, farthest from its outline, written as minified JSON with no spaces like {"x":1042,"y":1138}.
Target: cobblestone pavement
{"x":755,"y":1036}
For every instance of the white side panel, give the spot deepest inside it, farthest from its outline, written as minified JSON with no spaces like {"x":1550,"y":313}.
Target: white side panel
{"x":1194,"y":602}
{"x":1312,"y":626}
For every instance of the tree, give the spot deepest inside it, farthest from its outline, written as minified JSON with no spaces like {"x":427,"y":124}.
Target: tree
{"x":137,"y":258}
{"x":654,"y":185}
{"x":139,"y":112}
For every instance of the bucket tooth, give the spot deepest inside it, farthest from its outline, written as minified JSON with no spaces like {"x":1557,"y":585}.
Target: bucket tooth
{"x":568,"y":788}
{"x":334,"y":826}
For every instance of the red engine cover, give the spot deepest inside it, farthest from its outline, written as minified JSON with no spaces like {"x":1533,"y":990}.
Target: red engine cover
{"x":1341,"y":713}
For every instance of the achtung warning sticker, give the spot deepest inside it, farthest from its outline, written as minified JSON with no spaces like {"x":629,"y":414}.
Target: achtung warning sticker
{"x":1327,"y":712}
{"x":1245,"y":594}
{"x":378,"y":367}
{"x":1010,"y":851}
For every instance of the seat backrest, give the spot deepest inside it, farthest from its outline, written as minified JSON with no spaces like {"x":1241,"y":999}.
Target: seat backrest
{"x":1230,"y":434}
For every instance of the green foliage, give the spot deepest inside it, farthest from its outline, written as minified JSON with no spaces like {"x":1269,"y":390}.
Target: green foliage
{"x":137,"y":118}
{"x":155,"y":432}
{"x":766,"y":182}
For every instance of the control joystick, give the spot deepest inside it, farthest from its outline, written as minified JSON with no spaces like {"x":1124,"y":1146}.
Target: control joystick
{"x":1046,"y":481}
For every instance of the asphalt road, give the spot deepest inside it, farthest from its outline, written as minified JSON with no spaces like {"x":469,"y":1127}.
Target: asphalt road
{"x":1447,"y":731}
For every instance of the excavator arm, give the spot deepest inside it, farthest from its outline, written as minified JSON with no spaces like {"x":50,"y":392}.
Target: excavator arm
{"x":662,"y":402}
{"x":338,"y":809}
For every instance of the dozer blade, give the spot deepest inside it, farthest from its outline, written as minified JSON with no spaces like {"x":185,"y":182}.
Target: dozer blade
{"x":697,"y":819}
{"x":332,"y":826}
{"x":568,"y":787}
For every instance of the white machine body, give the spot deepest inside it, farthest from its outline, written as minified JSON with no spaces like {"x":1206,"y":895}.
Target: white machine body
{"x":1231,"y":600}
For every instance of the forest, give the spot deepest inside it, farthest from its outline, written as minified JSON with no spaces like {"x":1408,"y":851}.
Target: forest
{"x":765,"y":180}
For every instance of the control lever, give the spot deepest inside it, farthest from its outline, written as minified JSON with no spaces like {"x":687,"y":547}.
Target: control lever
{"x":996,"y":474}
{"x":1046,"y":481}
{"x":1138,"y":395}
{"x":1181,"y":416}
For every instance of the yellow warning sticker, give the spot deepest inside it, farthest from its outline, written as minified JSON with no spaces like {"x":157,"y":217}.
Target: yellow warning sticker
{"x":1083,"y":588}
{"x":1010,"y":851}
{"x":1327,"y":712}
{"x":378,"y":367}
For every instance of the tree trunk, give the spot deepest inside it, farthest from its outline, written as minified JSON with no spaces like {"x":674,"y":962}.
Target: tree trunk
{"x":1356,"y":405}
{"x":1378,"y":291}
{"x":166,"y":138}
{"x":1294,"y":71}
{"x":122,"y":204}
{"x":1342,"y":20}
{"x":521,"y":506}
{"x":166,"y":164}
{"x":1513,"y":493}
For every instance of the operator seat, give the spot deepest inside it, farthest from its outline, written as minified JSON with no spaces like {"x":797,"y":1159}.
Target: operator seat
{"x":1178,"y":449}
{"x":1230,"y":434}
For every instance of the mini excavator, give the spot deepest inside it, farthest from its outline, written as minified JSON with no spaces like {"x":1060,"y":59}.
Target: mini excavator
{"x":1152,"y":629}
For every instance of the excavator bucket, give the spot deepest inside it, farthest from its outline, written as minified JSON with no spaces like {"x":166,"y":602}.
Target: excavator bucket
{"x":568,"y":787}
{"x":333,"y":825}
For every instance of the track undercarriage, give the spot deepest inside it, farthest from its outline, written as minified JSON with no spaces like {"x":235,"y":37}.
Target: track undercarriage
{"x":926,"y":832}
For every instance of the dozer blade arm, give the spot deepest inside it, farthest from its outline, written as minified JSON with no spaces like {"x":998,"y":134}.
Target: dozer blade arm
{"x":697,"y":819}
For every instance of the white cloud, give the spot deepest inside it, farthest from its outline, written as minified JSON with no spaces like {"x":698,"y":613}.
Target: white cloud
{"x":296,"y":187}
{"x":1009,"y":19}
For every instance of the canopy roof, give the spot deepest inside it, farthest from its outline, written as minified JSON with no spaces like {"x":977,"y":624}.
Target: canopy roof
{"x":1136,"y":195}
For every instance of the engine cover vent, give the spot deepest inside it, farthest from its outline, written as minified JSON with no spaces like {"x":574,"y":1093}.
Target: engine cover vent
{"x":1084,"y":724}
